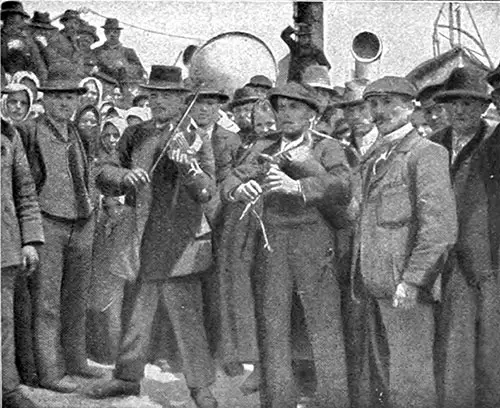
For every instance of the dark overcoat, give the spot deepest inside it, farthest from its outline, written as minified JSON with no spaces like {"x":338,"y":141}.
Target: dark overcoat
{"x":120,"y":62}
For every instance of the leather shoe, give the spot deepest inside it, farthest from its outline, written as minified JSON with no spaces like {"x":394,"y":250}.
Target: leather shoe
{"x":65,"y":385}
{"x":16,"y":399}
{"x":203,"y":398}
{"x":115,"y":388}
{"x":88,"y":372}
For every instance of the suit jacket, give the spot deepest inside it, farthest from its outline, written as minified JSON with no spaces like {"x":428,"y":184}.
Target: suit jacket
{"x":167,"y":213}
{"x":21,"y":220}
{"x":475,"y":176}
{"x":407,"y":217}
{"x":323,"y":173}
{"x":120,"y":62}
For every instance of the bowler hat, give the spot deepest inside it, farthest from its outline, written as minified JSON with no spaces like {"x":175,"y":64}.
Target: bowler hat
{"x":464,"y":83}
{"x":62,"y":81}
{"x":242,"y":96}
{"x":167,"y":78}
{"x":317,"y":76}
{"x":42,"y":20}
{"x":69,"y":14}
{"x":353,"y":94}
{"x":260,"y":80}
{"x":112,"y":24}
{"x":493,"y":78}
{"x":295,"y":91}
{"x":87,"y":29}
{"x":426,"y":95}
{"x":390,"y":85}
{"x":13,"y":7}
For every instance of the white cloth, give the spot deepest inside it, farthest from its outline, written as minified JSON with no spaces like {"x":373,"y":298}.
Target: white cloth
{"x":367,"y":141}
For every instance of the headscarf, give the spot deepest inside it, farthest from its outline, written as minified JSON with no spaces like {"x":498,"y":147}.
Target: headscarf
{"x":142,"y":113}
{"x":120,"y":124}
{"x":98,"y":85}
{"x":20,"y":75}
{"x":10,"y":89}
{"x":90,"y":148}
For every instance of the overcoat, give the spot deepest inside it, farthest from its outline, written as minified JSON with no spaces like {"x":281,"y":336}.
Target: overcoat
{"x":167,"y":212}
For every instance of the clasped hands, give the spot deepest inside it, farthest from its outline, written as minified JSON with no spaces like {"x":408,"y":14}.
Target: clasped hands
{"x":185,"y":159}
{"x":276,"y":181}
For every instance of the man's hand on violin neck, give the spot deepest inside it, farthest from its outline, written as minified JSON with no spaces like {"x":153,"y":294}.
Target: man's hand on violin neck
{"x":136,"y":178}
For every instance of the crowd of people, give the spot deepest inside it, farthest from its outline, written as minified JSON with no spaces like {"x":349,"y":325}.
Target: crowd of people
{"x":343,"y":241}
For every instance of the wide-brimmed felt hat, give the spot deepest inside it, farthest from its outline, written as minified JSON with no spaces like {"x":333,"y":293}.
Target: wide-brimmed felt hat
{"x":353,"y":93}
{"x":464,"y":83}
{"x":390,"y":85}
{"x":242,"y":96}
{"x":316,"y":76}
{"x":69,"y":14}
{"x":426,"y":95}
{"x":41,"y":20}
{"x":493,"y":78}
{"x":295,"y":91}
{"x":167,"y":78}
{"x":112,"y":24}
{"x":260,"y":80}
{"x":62,"y":82}
{"x":87,"y":29}
{"x":209,"y":92}
{"x":13,"y":7}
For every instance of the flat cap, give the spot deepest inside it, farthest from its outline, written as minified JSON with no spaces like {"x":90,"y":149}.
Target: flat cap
{"x":390,"y":85}
{"x":426,"y":95}
{"x":466,"y":83}
{"x":296,"y":91}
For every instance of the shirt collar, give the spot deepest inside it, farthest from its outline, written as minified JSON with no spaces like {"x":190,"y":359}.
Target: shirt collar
{"x":367,"y":141}
{"x":398,"y":133}
{"x":288,"y":144}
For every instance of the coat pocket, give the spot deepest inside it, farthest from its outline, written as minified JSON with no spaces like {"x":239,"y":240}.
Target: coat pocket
{"x":394,"y":207}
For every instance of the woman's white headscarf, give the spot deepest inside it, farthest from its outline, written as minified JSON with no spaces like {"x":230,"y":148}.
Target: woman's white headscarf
{"x":10,"y":89}
{"x":142,"y":113}
{"x":98,"y":85}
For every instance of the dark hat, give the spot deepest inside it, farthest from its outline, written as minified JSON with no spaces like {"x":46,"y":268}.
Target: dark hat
{"x":317,"y":76}
{"x":242,"y":96}
{"x":493,"y":78}
{"x":112,"y":24}
{"x":105,"y":78}
{"x":426,"y":95}
{"x":390,"y":85}
{"x":42,"y":20}
{"x":62,"y":81}
{"x":209,"y":92}
{"x":464,"y":83}
{"x":353,"y":94}
{"x":260,"y":80}
{"x":13,"y":7}
{"x":88,"y":29}
{"x":69,"y":14}
{"x":295,"y":91}
{"x":303,"y":29}
{"x":167,"y":78}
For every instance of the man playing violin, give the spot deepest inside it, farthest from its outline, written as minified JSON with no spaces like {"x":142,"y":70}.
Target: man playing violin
{"x":174,"y":236}
{"x":303,"y":182}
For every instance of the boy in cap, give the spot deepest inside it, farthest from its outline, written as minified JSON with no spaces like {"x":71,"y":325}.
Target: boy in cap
{"x":303,"y":187}
{"x":407,"y":222}
{"x":468,"y":344}
{"x":260,"y":85}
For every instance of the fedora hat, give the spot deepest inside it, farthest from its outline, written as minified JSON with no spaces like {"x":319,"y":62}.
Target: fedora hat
{"x":297,"y":92}
{"x":209,"y":92}
{"x":390,"y":85}
{"x":493,"y":78}
{"x":69,"y":14}
{"x":242,"y":96}
{"x":426,"y":95}
{"x":112,"y":24}
{"x":41,"y":20}
{"x":464,"y":83}
{"x":62,"y":82}
{"x":13,"y":7}
{"x":260,"y":80}
{"x":316,"y":76}
{"x":353,"y":93}
{"x":167,"y":78}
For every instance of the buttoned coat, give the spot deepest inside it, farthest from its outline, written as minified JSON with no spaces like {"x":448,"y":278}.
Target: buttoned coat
{"x":21,"y":220}
{"x":408,"y":217}
{"x":167,"y":212}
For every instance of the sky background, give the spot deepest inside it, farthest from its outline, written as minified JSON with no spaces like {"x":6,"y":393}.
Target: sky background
{"x":404,"y":27}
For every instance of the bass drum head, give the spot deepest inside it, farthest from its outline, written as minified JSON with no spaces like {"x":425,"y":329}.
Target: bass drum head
{"x":228,"y":61}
